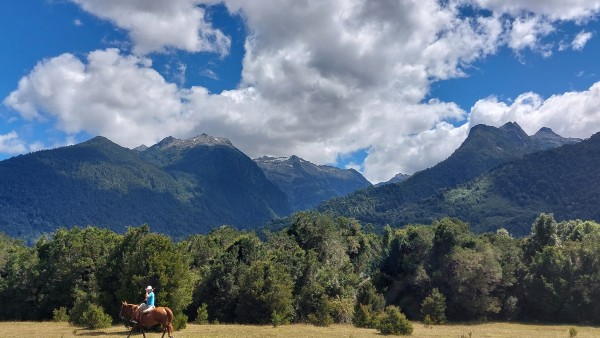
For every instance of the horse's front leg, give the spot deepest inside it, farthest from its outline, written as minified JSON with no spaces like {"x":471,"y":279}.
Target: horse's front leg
{"x":132,"y":328}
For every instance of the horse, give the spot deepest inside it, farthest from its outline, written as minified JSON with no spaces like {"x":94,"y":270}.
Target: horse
{"x":158,"y":315}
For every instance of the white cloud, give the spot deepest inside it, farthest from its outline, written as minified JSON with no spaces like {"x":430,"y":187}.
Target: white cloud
{"x":581,"y":40}
{"x":572,"y":10}
{"x":572,"y":114}
{"x":118,"y":96}
{"x":156,"y":25}
{"x":527,"y":31}
{"x":320,"y":78}
{"x":11,"y":143}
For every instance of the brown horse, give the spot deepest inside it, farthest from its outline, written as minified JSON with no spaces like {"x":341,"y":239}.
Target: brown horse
{"x":159,"y":315}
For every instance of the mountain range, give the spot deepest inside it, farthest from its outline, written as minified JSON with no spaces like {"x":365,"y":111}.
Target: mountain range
{"x":178,"y":187}
{"x":498,"y":177}
{"x":487,"y":151}
{"x":306,"y":184}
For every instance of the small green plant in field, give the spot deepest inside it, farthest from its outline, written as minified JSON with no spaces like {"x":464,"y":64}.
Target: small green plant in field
{"x":60,"y":314}
{"x":180,"y":321}
{"x":202,"y":315}
{"x":572,"y":332}
{"x":94,"y":317}
{"x":427,"y":321}
{"x":434,"y":307}
{"x":279,"y":319}
{"x":392,"y":321}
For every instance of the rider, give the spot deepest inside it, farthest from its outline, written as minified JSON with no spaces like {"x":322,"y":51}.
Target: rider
{"x":149,"y":302}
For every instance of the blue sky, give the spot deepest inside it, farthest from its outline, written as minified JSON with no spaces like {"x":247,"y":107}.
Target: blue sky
{"x":380,"y":86}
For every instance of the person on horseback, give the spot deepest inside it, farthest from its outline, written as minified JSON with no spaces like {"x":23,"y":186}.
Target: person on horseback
{"x":147,"y":305}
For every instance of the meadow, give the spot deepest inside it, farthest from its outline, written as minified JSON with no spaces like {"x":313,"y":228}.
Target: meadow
{"x":63,"y":330}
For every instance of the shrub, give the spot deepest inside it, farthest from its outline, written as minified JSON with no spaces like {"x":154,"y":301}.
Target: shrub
{"x":392,"y":321}
{"x":363,"y":317}
{"x":180,"y":321}
{"x":434,"y":306}
{"x":320,"y":319}
{"x":60,"y":314}
{"x":369,"y":304}
{"x":427,"y":321}
{"x":279,"y":319}
{"x":322,"y":315}
{"x":572,"y":332}
{"x":341,"y":310}
{"x":94,"y":317}
{"x":202,"y":315}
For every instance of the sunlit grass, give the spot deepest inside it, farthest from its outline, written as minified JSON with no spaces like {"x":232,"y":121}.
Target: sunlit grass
{"x":50,"y":329}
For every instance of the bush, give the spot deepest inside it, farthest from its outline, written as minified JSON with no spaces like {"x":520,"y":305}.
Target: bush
{"x":392,"y":321}
{"x":434,"y":307}
{"x":60,"y":314}
{"x":322,"y":315}
{"x":320,"y":319}
{"x":88,"y":314}
{"x":180,"y":321}
{"x":202,"y":315}
{"x":572,"y":332}
{"x":363,"y":317}
{"x":369,"y":304}
{"x":94,"y":317}
{"x":341,"y":310}
{"x":279,"y":319}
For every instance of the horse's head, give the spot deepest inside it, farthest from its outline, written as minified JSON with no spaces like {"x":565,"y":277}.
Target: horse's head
{"x":127,"y":311}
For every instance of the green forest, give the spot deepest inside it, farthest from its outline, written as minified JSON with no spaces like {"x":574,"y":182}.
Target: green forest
{"x":322,"y":269}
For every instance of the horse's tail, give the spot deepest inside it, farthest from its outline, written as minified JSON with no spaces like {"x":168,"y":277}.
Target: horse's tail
{"x":170,"y":318}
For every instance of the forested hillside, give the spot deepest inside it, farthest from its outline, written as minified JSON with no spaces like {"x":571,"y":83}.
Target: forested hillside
{"x":321,"y":270}
{"x":407,"y":202}
{"x":307,"y":185}
{"x":563,"y":181}
{"x":179,"y":190}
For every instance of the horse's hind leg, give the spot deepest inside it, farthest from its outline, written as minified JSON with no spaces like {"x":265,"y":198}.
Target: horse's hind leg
{"x":164,"y":331}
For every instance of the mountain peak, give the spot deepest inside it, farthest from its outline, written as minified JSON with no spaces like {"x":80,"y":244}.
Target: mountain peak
{"x":511,"y":126}
{"x":548,"y":136}
{"x":546,"y":131}
{"x":142,"y":147}
{"x":199,"y":140}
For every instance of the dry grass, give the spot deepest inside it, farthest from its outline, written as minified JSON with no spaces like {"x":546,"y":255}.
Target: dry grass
{"x":63,"y":330}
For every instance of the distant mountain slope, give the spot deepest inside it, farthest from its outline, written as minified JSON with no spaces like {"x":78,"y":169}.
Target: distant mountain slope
{"x":223,"y":179}
{"x":396,"y":179}
{"x":485,"y":148}
{"x":178,"y":192}
{"x":306,"y":184}
{"x":564,"y":181}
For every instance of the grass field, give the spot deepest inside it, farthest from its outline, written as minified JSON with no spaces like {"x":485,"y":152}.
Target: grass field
{"x":50,"y":329}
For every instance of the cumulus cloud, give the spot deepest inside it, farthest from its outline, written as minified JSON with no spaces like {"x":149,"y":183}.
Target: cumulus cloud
{"x":109,"y":95}
{"x":581,"y":40}
{"x":11,"y":143}
{"x":572,"y":10}
{"x":526,"y":32}
{"x":571,"y":114}
{"x":320,"y":79}
{"x":156,"y":25}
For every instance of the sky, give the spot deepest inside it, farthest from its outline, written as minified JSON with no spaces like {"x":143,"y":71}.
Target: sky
{"x":380,"y":86}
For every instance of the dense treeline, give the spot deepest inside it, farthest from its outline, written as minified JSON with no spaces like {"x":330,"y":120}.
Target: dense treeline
{"x":321,"y":269}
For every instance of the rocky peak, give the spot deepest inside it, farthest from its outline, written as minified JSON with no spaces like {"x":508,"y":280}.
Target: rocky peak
{"x":200,"y":140}
{"x":143,"y":147}
{"x":514,"y":131}
{"x":549,"y":138}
